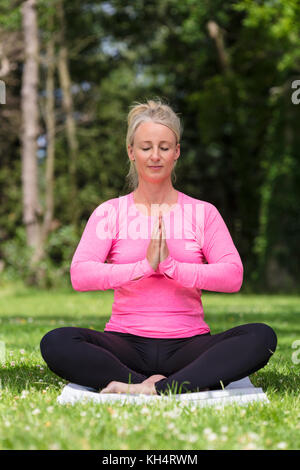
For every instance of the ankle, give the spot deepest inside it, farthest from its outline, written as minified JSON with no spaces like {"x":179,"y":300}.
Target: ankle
{"x":154,"y":378}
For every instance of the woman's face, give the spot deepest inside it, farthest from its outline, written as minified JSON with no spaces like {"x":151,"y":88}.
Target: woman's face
{"x":154,"y":151}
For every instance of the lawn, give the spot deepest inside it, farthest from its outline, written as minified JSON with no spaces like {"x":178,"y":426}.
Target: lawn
{"x":30,"y":417}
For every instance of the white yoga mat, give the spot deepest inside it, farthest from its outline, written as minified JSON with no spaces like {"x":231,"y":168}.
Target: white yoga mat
{"x":241,"y":392}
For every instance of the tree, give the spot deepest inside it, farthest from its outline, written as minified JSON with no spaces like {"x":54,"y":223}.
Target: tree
{"x":68,"y":106}
{"x":32,"y":210}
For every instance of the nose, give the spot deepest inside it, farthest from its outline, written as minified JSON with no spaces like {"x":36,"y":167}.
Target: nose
{"x":155,"y":155}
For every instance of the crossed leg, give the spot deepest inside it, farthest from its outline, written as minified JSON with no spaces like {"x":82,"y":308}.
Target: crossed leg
{"x":109,"y":363}
{"x":214,"y":361}
{"x":210,"y":362}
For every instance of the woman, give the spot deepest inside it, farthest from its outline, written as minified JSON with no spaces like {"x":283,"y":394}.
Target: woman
{"x":162,"y":248}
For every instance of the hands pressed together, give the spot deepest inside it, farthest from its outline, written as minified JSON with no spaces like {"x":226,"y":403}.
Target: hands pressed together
{"x":157,"y":249}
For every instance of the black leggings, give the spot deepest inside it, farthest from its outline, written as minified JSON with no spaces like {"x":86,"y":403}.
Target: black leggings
{"x":93,"y":358}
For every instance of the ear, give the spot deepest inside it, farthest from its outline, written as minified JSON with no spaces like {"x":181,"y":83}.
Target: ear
{"x":130,"y":151}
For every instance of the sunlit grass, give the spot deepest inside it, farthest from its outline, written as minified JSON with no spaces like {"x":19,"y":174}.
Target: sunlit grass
{"x":31,"y":418}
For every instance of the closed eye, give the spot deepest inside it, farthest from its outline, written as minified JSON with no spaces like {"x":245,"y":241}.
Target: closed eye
{"x":149,"y":149}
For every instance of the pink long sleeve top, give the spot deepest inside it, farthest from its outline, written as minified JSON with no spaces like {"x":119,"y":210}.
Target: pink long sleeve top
{"x":165,"y":303}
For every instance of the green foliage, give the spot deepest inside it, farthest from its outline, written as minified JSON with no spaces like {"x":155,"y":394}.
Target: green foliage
{"x":240,"y":146}
{"x":53,"y":269}
{"x":17,"y":255}
{"x":10,"y":16}
{"x":60,"y":249}
{"x":280,"y":20}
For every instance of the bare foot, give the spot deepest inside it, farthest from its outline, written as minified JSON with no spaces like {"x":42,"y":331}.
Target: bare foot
{"x":154,"y":378}
{"x":121,"y":387}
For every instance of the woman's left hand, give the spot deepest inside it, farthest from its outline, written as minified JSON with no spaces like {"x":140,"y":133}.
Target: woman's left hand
{"x":164,"y":250}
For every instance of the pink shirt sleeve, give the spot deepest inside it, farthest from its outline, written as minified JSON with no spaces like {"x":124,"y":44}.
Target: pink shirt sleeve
{"x":88,"y":269}
{"x":224,"y":271}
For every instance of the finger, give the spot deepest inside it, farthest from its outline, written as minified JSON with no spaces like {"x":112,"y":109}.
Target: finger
{"x":156,"y":231}
{"x":159,"y":229}
{"x":154,"y":234}
{"x":160,"y":235}
{"x":163,"y":231}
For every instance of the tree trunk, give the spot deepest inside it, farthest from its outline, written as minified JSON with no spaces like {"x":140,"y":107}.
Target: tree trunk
{"x":50,"y":126}
{"x":29,"y":132}
{"x":50,"y":132}
{"x":65,"y":82}
{"x":216,"y":34}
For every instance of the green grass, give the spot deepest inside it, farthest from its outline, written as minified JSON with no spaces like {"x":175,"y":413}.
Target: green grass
{"x":31,"y":418}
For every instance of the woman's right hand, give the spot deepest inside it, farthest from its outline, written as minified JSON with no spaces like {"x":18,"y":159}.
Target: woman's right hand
{"x":153,"y":251}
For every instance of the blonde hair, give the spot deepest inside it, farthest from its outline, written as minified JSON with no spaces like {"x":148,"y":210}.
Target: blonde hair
{"x":154,"y":111}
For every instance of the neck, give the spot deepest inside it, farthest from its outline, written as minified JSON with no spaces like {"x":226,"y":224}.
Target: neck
{"x":155,"y":193}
